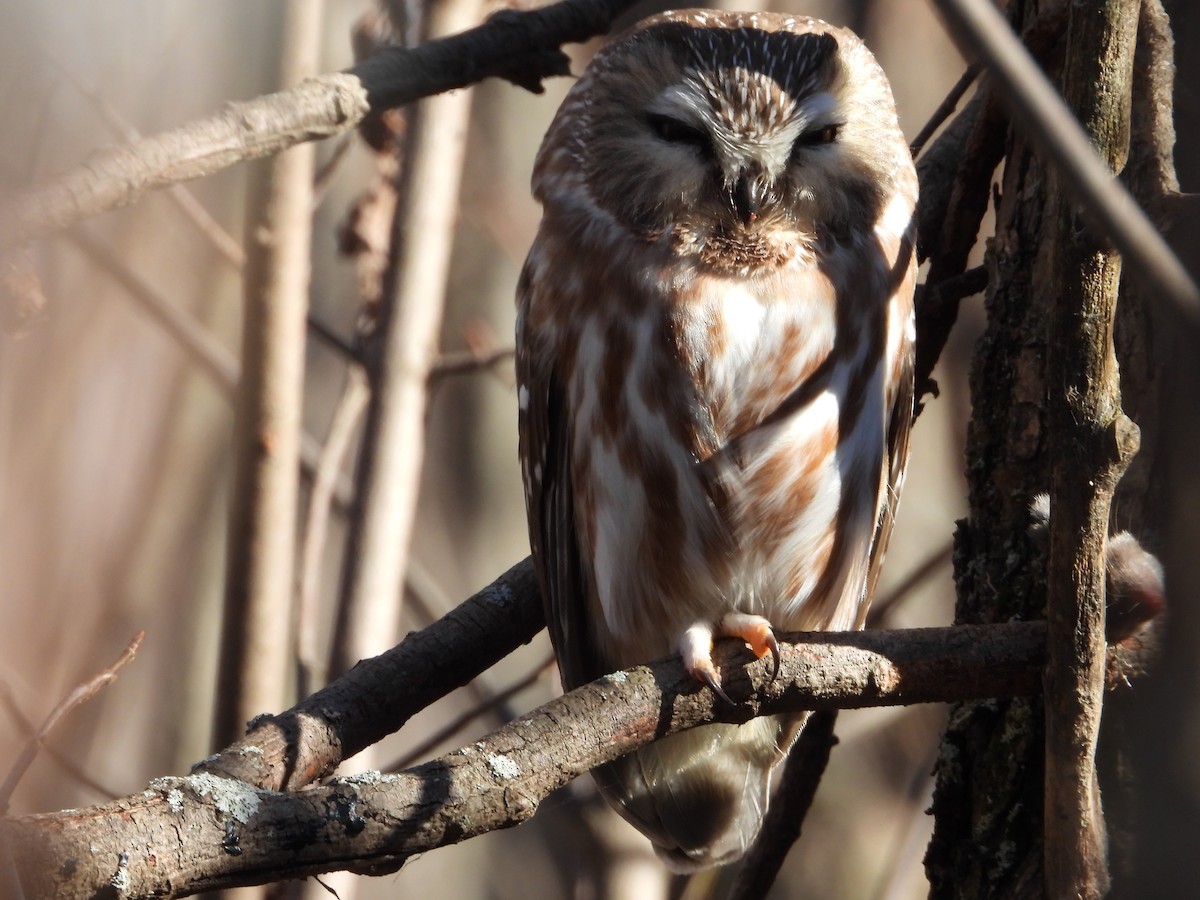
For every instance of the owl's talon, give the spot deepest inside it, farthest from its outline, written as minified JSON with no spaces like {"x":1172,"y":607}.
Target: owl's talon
{"x":696,"y":649}
{"x":713,"y":680}
{"x":773,"y":647}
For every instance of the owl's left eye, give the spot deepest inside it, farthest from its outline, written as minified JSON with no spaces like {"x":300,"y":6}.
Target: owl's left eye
{"x":826,"y":134}
{"x":675,"y":132}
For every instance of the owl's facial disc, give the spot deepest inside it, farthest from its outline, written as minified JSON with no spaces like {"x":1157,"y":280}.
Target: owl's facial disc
{"x":745,"y":170}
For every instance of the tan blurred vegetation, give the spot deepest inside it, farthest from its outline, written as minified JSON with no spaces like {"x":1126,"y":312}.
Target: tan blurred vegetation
{"x":115,"y":447}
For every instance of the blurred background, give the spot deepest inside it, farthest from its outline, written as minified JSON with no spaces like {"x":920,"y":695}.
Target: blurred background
{"x":117,"y":443}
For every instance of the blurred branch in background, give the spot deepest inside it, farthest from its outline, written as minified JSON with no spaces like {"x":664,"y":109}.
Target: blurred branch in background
{"x":522,"y":47}
{"x":310,"y":670}
{"x":82,"y":693}
{"x":259,"y":581}
{"x":399,"y":355}
{"x":70,"y":769}
{"x":225,"y":244}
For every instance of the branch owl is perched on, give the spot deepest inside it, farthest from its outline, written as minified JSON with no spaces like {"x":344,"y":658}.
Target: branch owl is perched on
{"x":714,"y":363}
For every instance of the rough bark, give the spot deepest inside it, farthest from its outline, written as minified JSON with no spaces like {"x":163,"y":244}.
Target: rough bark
{"x":988,"y":804}
{"x":183,"y":835}
{"x":377,"y":696}
{"x":1094,"y":442}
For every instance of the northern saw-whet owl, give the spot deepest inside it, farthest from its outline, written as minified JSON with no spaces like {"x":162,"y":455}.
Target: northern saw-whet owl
{"x":715,"y":376}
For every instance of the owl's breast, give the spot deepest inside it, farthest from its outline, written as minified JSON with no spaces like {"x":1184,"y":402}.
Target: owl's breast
{"x":706,"y":420}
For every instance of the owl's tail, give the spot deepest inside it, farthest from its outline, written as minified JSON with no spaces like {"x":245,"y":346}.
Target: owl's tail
{"x":700,"y":796}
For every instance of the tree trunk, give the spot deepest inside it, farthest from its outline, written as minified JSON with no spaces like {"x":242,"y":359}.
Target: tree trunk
{"x":988,"y":804}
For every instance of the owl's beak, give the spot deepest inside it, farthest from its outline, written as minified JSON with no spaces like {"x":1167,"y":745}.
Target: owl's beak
{"x":749,"y":191}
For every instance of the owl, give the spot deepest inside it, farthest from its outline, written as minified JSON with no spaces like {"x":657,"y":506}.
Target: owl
{"x":715,"y":376}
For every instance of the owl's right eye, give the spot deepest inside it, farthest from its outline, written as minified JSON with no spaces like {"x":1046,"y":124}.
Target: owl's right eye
{"x":675,"y":132}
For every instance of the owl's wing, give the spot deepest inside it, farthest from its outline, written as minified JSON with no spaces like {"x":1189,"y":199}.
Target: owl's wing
{"x":545,"y":450}
{"x":899,"y":426}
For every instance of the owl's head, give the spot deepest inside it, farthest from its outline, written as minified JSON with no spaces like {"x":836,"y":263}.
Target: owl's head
{"x":728,"y":124}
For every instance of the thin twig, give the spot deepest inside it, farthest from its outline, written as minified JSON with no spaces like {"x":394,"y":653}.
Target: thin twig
{"x":204,"y":349}
{"x":79,"y":695}
{"x":346,"y":414}
{"x":453,"y":727}
{"x":927,"y":568}
{"x":333,"y":340}
{"x":944,"y":110}
{"x":466,"y":361}
{"x":906,"y":837}
{"x":29,"y":730}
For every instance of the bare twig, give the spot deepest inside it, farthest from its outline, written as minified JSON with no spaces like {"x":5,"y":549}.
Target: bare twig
{"x":79,"y":695}
{"x":467,"y":361}
{"x":984,"y":34}
{"x":927,"y":568}
{"x":346,"y":414}
{"x":906,"y":843}
{"x":944,"y":110}
{"x":457,"y":724}
{"x":29,"y":730}
{"x":949,"y":237}
{"x":333,"y":340}
{"x":205,"y":350}
{"x":520,"y":46}
{"x":260,"y":558}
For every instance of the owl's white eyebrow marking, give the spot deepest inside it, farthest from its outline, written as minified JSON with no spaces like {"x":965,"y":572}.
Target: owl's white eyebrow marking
{"x":817,"y":107}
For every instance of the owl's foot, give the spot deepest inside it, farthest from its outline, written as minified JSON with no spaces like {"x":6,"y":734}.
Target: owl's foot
{"x":755,"y":631}
{"x":696,"y":646}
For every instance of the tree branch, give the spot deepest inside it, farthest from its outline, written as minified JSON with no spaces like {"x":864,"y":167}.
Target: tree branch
{"x":183,"y":835}
{"x":1095,"y":442}
{"x":378,"y":695}
{"x":522,"y":47}
{"x":983,"y":33}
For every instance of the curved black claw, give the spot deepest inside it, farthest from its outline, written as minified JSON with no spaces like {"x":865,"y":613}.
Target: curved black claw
{"x":714,"y":682}
{"x":773,"y":646}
